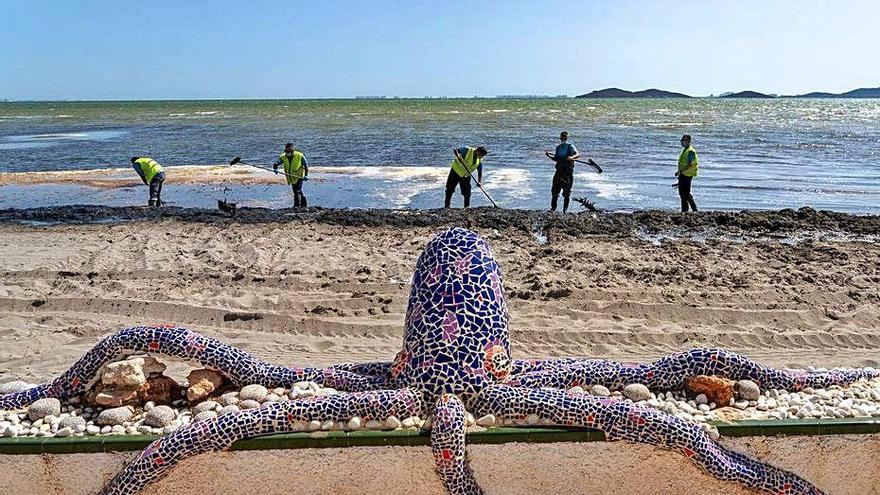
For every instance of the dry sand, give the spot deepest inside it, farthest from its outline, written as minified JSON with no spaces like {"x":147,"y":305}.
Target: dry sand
{"x":321,"y":288}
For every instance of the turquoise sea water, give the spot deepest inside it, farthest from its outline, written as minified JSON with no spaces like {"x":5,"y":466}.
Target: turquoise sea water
{"x":754,"y":154}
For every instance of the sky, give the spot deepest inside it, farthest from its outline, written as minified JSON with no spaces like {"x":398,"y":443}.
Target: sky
{"x":194,"y":49}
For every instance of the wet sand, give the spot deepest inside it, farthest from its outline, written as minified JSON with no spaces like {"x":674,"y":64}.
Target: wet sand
{"x":327,"y":286}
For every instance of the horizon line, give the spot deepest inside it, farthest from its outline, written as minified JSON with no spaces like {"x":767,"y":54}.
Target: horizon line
{"x":395,"y":97}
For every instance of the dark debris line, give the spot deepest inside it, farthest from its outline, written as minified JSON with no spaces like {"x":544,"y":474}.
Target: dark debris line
{"x":745,"y":223}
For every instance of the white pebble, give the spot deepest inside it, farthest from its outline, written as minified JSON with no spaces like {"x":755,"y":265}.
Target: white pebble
{"x":600,"y":391}
{"x":486,"y":421}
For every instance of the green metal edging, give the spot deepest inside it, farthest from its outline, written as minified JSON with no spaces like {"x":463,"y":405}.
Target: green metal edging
{"x":340,"y":439}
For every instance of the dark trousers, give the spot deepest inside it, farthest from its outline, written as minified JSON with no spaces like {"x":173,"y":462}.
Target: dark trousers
{"x":684,"y":191}
{"x":464,"y":183}
{"x":156,"y":189}
{"x":562,"y":182}
{"x":299,"y":199}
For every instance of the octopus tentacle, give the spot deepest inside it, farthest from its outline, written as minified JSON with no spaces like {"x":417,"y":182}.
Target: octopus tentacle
{"x":277,"y":417}
{"x":238,"y":365}
{"x":381,"y":368}
{"x":623,"y":420}
{"x":671,"y":372}
{"x":448,"y":447}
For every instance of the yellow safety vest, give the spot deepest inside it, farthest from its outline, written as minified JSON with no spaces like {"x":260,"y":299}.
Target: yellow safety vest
{"x":293,"y":168}
{"x":683,"y":168}
{"x":470,"y":160}
{"x":149,"y":168}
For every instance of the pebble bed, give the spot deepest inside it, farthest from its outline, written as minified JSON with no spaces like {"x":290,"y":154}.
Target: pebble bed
{"x":50,"y":418}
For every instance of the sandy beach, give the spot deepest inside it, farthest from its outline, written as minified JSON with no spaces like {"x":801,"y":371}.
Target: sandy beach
{"x":329,"y":286}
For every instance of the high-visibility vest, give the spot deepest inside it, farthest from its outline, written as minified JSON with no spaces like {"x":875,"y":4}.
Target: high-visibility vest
{"x":470,"y":161}
{"x":683,"y":168}
{"x":293,"y":167}
{"x":149,"y":168}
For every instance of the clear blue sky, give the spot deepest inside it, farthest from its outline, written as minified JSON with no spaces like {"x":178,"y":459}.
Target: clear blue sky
{"x":120,"y":49}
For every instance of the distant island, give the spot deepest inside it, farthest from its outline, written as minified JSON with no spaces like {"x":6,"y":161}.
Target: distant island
{"x":747,"y":94}
{"x":856,"y":93}
{"x":659,"y":93}
{"x":622,"y":93}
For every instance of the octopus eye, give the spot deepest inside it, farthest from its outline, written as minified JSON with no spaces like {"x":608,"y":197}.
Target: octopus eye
{"x":497,"y":362}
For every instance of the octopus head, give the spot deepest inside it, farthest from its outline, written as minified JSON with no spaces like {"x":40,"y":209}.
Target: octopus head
{"x":456,"y":326}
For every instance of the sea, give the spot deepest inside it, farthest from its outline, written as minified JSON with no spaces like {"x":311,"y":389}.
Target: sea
{"x":395,"y":153}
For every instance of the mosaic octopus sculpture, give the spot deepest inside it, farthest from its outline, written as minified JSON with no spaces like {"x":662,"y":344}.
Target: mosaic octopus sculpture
{"x":455,"y":358}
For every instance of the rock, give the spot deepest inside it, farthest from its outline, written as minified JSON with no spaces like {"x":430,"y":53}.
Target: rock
{"x":115,"y":397}
{"x":701,"y":399}
{"x":208,"y":405}
{"x":314,"y":425}
{"x":392,"y":423}
{"x":106,"y":430}
{"x":202,"y":383}
{"x":636,"y":392}
{"x":741,"y":404}
{"x":159,"y":416}
{"x":747,"y":390}
{"x":374,"y":425}
{"x":144,"y":430}
{"x":131,"y":373}
{"x":354,"y":423}
{"x":272,"y":398}
{"x":44,"y":407}
{"x":72,"y":422}
{"x":718,"y":390}
{"x":413,"y":422}
{"x":64,"y":432}
{"x":117,"y":429}
{"x":14,"y":386}
{"x":486,"y":421}
{"x":205,"y":416}
{"x":600,"y":391}
{"x":249,"y":404}
{"x":115,"y":416}
{"x":160,"y":390}
{"x":229,"y":398}
{"x":230,"y":409}
{"x":253,"y":392}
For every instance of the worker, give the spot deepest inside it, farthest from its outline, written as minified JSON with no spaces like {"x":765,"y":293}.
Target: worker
{"x":687,"y":170}
{"x":563,"y":179}
{"x":152,"y":174}
{"x":467,"y":160}
{"x":296,"y":169}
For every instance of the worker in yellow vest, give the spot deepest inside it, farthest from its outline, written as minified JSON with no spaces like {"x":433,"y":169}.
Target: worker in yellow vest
{"x":152,"y":174}
{"x":687,"y":170}
{"x":467,"y":160}
{"x":296,"y":169}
